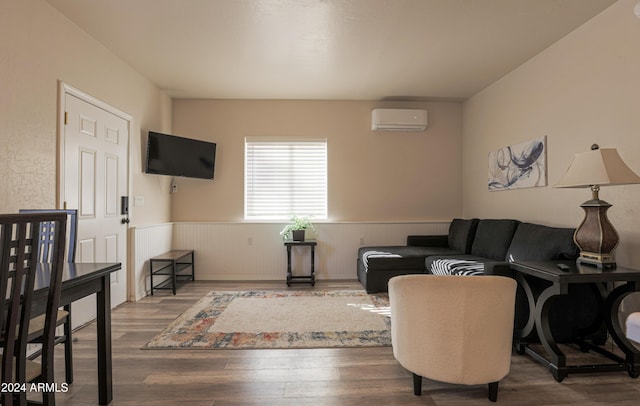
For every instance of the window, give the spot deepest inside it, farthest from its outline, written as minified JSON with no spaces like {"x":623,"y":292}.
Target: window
{"x":285,"y":177}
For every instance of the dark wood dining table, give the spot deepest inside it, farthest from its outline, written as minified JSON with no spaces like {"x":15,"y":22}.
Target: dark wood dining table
{"x":78,"y":281}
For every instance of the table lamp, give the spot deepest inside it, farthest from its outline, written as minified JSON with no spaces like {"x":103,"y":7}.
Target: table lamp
{"x":596,"y":237}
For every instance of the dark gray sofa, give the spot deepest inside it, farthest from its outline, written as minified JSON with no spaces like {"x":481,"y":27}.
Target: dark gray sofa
{"x":491,"y":243}
{"x":376,"y":265}
{"x":498,"y":242}
{"x":487,"y":246}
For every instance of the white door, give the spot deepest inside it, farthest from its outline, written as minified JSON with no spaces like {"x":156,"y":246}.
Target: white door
{"x":95,"y":171}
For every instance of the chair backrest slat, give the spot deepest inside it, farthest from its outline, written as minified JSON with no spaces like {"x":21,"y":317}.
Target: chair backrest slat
{"x":45,"y":234}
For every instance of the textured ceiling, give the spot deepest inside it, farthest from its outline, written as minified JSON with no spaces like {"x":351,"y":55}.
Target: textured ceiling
{"x":327,"y":49}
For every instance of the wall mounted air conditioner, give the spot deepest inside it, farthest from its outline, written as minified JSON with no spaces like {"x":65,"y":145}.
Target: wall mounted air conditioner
{"x":398,"y":120}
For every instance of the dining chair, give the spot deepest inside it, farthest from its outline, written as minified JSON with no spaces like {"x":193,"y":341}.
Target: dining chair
{"x":45,"y":247}
{"x":19,"y":269}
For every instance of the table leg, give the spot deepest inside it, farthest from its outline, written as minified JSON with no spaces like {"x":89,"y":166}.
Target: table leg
{"x":68,"y":347}
{"x":174,"y":270}
{"x":103,"y":309}
{"x":313,"y":265}
{"x":527,"y":329}
{"x":558,"y":360}
{"x":289,"y":274}
{"x":151,"y":275}
{"x":193,"y":266}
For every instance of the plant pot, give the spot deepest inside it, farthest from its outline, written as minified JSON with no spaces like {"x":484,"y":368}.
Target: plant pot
{"x":297,"y":235}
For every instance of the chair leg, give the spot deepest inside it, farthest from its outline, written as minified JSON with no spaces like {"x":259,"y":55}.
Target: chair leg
{"x":493,"y":391}
{"x":68,"y":350}
{"x":47,"y":375}
{"x":417,"y":385}
{"x":20,"y":398}
{"x":49,"y":398}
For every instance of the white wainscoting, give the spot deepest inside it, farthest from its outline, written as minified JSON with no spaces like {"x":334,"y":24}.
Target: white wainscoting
{"x":148,"y":241}
{"x":254,"y":251}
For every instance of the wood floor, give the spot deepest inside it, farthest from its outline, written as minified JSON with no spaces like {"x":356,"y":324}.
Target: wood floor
{"x":352,"y":376}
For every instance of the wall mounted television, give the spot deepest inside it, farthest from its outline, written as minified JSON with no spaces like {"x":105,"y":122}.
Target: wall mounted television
{"x":178,"y":156}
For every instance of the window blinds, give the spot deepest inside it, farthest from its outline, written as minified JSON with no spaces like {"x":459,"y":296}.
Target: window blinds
{"x":285,"y":177}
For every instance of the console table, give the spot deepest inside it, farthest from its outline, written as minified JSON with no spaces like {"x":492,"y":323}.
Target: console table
{"x":172,"y":264}
{"x":540,"y":309}
{"x":301,"y":278}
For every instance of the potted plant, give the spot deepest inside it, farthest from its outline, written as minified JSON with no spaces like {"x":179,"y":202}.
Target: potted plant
{"x":296,"y":229}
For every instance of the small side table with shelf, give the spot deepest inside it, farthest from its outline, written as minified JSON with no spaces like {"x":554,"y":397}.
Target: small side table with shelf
{"x":301,"y":278}
{"x":610,"y":300}
{"x":172,"y":264}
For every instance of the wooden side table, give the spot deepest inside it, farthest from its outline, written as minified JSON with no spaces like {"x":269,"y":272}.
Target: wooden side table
{"x":610,"y":301}
{"x":301,"y":278}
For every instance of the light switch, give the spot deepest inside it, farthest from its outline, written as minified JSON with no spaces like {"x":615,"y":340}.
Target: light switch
{"x":138,"y":201}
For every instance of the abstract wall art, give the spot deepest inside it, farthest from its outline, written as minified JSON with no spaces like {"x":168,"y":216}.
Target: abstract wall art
{"x":519,"y":166}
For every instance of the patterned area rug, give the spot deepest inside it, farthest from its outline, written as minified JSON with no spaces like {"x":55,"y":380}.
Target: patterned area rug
{"x":280,"y":319}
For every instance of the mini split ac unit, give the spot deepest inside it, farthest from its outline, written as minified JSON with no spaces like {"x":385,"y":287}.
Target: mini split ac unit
{"x":398,"y":120}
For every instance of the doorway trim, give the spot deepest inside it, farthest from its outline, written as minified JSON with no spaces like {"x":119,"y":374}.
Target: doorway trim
{"x":63,"y":90}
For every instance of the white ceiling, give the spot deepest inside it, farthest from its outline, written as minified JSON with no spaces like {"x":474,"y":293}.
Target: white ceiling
{"x":327,"y":49}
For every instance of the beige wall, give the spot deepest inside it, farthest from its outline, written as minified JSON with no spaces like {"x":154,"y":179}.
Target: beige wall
{"x":380,"y":176}
{"x":38,"y":48}
{"x":584,"y":89}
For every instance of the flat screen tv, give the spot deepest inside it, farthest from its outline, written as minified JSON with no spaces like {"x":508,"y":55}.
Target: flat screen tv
{"x":177,"y":156}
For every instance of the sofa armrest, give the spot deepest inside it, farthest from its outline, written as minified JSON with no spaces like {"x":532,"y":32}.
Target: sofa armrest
{"x":428,"y":241}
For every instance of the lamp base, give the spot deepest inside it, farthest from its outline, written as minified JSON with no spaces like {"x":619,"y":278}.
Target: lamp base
{"x":596,"y":237}
{"x":602,"y":261}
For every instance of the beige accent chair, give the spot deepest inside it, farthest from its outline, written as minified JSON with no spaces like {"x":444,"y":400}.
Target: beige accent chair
{"x":454,"y":329}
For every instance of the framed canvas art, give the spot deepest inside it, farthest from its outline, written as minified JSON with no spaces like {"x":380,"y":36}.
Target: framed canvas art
{"x":519,"y":166}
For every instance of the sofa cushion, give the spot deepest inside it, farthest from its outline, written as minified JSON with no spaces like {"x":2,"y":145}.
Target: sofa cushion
{"x":535,"y":242}
{"x":398,"y":257}
{"x":457,"y":267}
{"x":493,"y":238}
{"x":428,"y":262}
{"x":461,"y":234}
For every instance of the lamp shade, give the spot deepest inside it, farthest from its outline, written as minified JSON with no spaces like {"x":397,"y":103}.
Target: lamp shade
{"x":598,"y":167}
{"x":596,"y":237}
